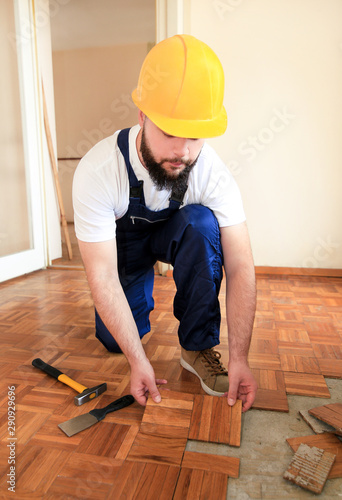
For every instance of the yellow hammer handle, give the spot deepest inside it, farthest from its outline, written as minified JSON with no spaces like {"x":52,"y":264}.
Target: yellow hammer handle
{"x":71,"y":383}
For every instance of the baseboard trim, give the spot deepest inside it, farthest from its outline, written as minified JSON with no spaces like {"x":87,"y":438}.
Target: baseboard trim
{"x":299,"y":271}
{"x":290,"y":271}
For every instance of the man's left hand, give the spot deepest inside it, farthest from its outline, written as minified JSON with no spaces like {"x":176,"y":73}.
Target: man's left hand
{"x":242,"y":384}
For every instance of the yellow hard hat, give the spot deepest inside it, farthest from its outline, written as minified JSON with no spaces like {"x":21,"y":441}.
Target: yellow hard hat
{"x":181,"y":87}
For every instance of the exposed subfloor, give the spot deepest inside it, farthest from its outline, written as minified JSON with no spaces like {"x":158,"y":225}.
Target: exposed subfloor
{"x":265,"y":455}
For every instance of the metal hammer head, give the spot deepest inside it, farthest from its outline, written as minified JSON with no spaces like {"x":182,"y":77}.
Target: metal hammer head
{"x":89,"y":394}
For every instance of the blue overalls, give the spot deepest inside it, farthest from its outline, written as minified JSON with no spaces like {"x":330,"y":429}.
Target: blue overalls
{"x":189,"y":239}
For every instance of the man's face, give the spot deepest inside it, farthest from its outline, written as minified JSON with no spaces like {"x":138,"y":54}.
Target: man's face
{"x":168,"y":159}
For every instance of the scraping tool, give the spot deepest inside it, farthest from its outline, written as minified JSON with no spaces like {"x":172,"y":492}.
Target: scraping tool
{"x":85,"y":393}
{"x":78,"y":424}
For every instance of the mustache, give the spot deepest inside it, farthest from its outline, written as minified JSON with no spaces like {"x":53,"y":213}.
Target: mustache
{"x":186,"y":163}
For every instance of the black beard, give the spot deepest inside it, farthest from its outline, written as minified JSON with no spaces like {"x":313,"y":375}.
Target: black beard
{"x":160,"y":178}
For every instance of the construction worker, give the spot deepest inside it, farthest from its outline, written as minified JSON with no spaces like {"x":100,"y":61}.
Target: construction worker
{"x":157,"y":191}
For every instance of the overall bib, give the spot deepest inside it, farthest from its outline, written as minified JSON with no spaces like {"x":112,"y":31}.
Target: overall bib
{"x":189,"y":239}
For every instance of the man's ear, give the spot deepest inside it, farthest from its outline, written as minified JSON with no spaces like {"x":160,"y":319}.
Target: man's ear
{"x":141,"y":117}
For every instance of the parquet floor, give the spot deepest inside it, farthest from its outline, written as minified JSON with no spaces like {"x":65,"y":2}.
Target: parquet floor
{"x":297,"y":342}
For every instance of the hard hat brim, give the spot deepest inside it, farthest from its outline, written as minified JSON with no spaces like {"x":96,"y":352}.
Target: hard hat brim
{"x":190,"y":129}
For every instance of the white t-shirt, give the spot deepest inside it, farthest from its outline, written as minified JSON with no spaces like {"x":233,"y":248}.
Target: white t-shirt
{"x":101,"y":189}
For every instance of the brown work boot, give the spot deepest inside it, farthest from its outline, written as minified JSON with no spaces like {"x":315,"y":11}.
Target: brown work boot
{"x":206,"y":365}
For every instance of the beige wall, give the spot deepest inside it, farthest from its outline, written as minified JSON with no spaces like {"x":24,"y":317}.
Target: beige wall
{"x":14,"y":218}
{"x":282,"y":61}
{"x":92,"y":100}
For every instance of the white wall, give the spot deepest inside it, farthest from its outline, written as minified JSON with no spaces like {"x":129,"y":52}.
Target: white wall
{"x":283,"y":66}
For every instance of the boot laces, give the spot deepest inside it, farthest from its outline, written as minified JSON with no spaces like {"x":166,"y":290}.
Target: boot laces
{"x":212,"y":361}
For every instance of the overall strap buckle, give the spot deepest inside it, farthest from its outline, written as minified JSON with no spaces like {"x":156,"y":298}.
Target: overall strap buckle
{"x":136,"y":191}
{"x":177,"y":198}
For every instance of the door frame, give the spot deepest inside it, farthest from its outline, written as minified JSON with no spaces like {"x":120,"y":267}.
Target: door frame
{"x":25,"y":42}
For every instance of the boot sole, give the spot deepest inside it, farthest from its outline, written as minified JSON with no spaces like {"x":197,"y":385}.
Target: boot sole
{"x":207,"y":389}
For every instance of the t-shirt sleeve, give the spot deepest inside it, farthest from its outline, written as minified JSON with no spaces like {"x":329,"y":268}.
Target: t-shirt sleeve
{"x":93,"y":203}
{"x":221,"y":193}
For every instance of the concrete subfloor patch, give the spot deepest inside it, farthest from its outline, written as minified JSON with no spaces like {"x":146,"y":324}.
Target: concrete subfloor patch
{"x":265,"y":455}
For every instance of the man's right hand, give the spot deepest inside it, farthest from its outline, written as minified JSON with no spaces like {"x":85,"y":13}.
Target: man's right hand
{"x":143,"y":382}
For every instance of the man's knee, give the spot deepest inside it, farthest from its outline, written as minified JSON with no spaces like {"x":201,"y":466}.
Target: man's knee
{"x":202,"y":223}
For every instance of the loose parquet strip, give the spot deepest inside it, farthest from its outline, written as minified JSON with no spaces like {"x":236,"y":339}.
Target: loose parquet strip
{"x":331,"y":368}
{"x":213,"y":463}
{"x":330,"y":414}
{"x":195,"y":484}
{"x":326,"y":441}
{"x":304,"y":384}
{"x":213,"y":420}
{"x":309,"y":468}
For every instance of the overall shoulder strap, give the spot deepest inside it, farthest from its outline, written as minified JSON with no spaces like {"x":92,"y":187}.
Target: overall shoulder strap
{"x":136,"y":187}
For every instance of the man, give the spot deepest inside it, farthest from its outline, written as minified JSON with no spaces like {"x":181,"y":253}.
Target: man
{"x":158,"y":192}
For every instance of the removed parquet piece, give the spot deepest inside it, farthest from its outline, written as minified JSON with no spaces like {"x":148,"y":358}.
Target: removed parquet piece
{"x":316,"y":425}
{"x":328,"y":442}
{"x":330,"y":414}
{"x":213,"y":420}
{"x":309,"y":468}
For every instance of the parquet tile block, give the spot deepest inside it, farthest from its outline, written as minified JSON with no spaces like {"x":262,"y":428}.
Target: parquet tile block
{"x":103,"y":439}
{"x":74,"y":489}
{"x":299,"y":364}
{"x":331,"y":368}
{"x":264,"y":361}
{"x":330,"y":414}
{"x":296,"y":348}
{"x":328,"y":351}
{"x":139,"y":481}
{"x":174,"y":409}
{"x":213,"y":420}
{"x":34,"y":458}
{"x":328,"y":442}
{"x":88,"y":467}
{"x":214,"y":463}
{"x":195,"y":484}
{"x":159,"y":444}
{"x":271,"y":394}
{"x":309,"y":468}
{"x":293,"y":336}
{"x":304,"y":384}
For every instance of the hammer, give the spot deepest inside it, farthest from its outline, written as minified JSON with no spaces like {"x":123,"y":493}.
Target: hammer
{"x":85,"y":393}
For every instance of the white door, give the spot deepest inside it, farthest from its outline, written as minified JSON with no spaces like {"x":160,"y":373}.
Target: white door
{"x":21,"y":212}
